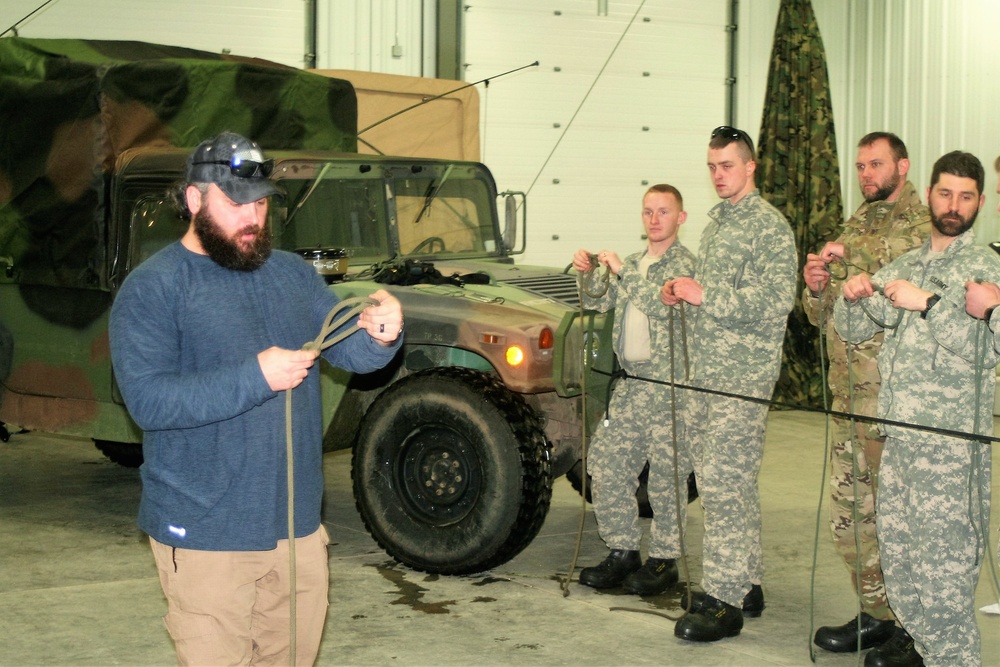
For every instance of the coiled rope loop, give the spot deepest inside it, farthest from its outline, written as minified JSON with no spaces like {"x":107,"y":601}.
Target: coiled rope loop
{"x":592,"y":276}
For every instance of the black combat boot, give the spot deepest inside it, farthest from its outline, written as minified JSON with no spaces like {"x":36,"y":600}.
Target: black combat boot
{"x":844,"y":638}
{"x":654,"y":577}
{"x":753,"y":602}
{"x":897,"y":652}
{"x":713,"y":621}
{"x":611,"y":571}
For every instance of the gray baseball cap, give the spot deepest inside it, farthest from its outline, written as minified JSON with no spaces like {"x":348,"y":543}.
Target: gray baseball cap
{"x":234,"y":163}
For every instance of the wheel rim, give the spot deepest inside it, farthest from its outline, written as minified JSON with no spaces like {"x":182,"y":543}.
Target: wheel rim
{"x":438,"y":475}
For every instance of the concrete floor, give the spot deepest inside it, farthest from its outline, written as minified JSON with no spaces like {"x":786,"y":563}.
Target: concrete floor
{"x":78,"y":585}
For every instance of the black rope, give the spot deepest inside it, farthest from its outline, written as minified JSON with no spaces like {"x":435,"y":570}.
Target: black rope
{"x":808,"y":408}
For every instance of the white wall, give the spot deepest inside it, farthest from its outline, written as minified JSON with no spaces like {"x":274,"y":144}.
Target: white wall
{"x":586,"y":132}
{"x":269,"y":29}
{"x":386,"y":36}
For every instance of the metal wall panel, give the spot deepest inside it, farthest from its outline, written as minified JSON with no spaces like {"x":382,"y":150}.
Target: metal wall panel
{"x":269,"y":29}
{"x":586,"y":132}
{"x":386,"y":36}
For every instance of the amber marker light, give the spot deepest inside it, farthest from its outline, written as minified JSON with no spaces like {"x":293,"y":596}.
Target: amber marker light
{"x":546,"y":339}
{"x":514,"y":355}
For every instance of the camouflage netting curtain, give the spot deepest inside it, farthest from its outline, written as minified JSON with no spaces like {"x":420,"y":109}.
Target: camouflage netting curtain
{"x":797,"y":172}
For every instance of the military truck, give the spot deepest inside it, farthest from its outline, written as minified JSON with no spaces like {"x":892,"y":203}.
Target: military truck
{"x":455,"y":444}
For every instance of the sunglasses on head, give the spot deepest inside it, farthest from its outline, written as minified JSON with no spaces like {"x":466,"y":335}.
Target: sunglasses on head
{"x":245,"y":168}
{"x":733,"y":133}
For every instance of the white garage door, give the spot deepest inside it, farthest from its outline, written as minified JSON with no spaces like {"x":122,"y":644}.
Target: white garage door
{"x":652,"y":86}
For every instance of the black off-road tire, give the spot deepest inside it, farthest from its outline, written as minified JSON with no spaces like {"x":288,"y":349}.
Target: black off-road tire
{"x":126,"y":454}
{"x":451,"y":471}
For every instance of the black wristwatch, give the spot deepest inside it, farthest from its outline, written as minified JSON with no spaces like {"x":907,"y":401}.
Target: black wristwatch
{"x":988,"y":314}
{"x":931,"y":300}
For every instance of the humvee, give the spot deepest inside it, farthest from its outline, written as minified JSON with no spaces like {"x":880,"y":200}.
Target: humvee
{"x":455,"y":444}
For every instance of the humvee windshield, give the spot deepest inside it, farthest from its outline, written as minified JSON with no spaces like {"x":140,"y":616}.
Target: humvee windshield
{"x":441,"y":210}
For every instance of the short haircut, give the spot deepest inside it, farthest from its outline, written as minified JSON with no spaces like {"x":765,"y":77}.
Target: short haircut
{"x":958,"y":163}
{"x":178,"y":196}
{"x":896,"y":145}
{"x":996,"y":164}
{"x":724,"y":135}
{"x":665,"y":189}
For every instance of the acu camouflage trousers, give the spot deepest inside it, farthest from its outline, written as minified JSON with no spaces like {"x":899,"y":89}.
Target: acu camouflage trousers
{"x":726,"y":437}
{"x":640,"y":428}
{"x":933,"y":503}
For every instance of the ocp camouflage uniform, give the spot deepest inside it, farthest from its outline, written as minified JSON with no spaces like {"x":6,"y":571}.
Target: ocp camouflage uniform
{"x":640,"y":425}
{"x":877,"y":233}
{"x":747,"y":268}
{"x":934,"y":495}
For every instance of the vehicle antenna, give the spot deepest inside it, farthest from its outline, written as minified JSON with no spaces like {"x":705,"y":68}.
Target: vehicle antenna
{"x":431,"y":99}
{"x":13,"y":28}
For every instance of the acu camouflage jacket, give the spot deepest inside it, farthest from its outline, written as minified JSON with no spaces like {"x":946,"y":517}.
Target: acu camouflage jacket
{"x":644,"y":293}
{"x":747,"y":267}
{"x":934,"y":370}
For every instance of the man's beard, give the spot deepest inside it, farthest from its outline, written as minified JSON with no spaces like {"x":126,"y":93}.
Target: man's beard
{"x":884,"y":192}
{"x":952,"y":224}
{"x":229,"y":252}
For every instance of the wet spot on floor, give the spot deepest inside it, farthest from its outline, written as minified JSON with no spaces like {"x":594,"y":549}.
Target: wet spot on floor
{"x":411,"y":594}
{"x":485,"y":581}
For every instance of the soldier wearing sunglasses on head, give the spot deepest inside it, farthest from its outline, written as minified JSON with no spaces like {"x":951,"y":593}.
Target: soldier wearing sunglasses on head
{"x":739,"y":298}
{"x":206,"y":335}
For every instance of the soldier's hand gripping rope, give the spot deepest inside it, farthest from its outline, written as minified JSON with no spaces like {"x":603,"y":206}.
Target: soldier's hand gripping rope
{"x":860,"y":287}
{"x":595,"y":282}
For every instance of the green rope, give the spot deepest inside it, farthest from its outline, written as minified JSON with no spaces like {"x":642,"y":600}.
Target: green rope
{"x":823,"y":480}
{"x":353,"y":308}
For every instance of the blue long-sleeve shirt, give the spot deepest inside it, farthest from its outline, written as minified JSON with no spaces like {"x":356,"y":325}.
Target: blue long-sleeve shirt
{"x":185,"y":335}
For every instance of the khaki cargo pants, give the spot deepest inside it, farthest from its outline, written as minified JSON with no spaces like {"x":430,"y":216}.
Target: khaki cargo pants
{"x":232,"y":607}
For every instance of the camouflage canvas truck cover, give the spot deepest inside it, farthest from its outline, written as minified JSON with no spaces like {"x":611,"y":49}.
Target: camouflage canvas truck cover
{"x":455,"y":445}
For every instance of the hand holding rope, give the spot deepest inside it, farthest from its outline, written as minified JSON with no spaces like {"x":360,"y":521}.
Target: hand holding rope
{"x":864,"y":283}
{"x":595,"y":283}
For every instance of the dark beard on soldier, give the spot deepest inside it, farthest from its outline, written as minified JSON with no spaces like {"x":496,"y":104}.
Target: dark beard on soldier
{"x":952,"y":224}
{"x":884,"y":192}
{"x":227,"y":251}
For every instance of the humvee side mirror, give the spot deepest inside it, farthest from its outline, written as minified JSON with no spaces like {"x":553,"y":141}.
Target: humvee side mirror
{"x":510,"y":222}
{"x":513,"y":217}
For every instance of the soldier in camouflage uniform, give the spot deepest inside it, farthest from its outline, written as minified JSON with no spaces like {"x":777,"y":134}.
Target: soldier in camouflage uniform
{"x":937,"y":371}
{"x":889,"y":223}
{"x":641,"y":427}
{"x":743,"y":290}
